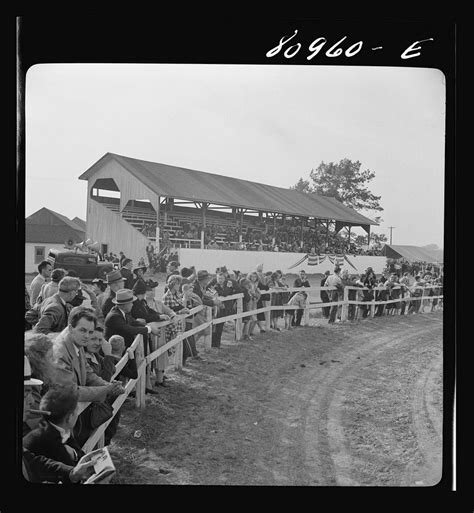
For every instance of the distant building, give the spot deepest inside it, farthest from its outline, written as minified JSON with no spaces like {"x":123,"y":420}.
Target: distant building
{"x":46,"y":229}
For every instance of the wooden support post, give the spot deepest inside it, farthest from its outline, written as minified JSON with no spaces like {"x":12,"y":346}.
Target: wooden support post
{"x":238,"y":322}
{"x":161,"y":360}
{"x":305,"y":318}
{"x":208,"y":331}
{"x":267,"y":315}
{"x":372,"y":307}
{"x":345,"y":306}
{"x":141,"y":381}
{"x":178,"y":356}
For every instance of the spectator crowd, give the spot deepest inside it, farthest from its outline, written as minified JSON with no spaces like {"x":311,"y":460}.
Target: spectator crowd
{"x":76,"y":333}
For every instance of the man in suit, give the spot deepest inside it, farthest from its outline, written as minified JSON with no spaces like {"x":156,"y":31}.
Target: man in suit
{"x":115,"y":281}
{"x":126,"y":272}
{"x":55,"y":309}
{"x":120,"y":322}
{"x":71,"y":363}
{"x":302,"y":281}
{"x":38,"y":468}
{"x":53,"y":437}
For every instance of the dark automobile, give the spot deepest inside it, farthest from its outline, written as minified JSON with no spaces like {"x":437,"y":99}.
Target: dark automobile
{"x":86,"y":265}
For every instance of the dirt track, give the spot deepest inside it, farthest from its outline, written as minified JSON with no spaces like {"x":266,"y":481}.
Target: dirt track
{"x":355,"y":404}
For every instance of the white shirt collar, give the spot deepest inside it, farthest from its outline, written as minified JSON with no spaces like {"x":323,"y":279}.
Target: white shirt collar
{"x":64,"y":434}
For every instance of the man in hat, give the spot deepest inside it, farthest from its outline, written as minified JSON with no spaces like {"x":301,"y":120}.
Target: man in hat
{"x":301,"y":281}
{"x":119,"y":320}
{"x":325,"y":296}
{"x":54,"y":310}
{"x":38,"y":468}
{"x":115,"y":281}
{"x":334,"y":280}
{"x":200,"y":288}
{"x":126,"y":272}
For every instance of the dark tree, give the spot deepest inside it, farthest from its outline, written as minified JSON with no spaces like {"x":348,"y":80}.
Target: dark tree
{"x":344,"y":181}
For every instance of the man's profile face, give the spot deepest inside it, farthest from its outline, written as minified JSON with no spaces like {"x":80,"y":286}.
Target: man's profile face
{"x":82,"y":332}
{"x":47,"y":271}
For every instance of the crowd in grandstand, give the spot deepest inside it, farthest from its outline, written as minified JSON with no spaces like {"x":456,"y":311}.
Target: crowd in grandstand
{"x":261,"y":236}
{"x":75,"y":334}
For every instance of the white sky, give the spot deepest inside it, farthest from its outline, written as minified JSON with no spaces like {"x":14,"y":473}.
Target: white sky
{"x":270,"y":124}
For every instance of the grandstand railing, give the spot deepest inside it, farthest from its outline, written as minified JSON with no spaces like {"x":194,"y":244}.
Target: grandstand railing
{"x":144,"y":362}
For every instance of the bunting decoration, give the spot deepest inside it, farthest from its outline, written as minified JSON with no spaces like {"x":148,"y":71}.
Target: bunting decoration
{"x":318,"y":259}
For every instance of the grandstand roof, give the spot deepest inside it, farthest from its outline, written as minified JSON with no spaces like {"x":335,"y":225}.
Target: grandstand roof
{"x":47,"y":226}
{"x":188,"y":184}
{"x":413,"y":253}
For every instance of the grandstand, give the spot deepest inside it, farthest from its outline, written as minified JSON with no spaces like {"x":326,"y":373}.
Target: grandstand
{"x":131,"y":202}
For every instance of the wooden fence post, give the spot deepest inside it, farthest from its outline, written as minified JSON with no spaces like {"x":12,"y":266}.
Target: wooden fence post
{"x":238,"y":322}
{"x":178,"y":348}
{"x":372,"y":307}
{"x":141,"y":381}
{"x":267,"y":314}
{"x":208,"y":331}
{"x":345,"y":305}
{"x":161,"y":360}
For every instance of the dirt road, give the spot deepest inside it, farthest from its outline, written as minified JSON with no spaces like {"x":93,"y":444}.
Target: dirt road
{"x":349,"y":404}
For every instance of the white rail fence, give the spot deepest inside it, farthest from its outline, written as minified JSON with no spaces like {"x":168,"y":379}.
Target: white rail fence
{"x":160,"y":347}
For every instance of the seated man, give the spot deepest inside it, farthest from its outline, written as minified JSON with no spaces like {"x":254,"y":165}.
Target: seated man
{"x":54,"y":310}
{"x":71,"y":361}
{"x":53,"y":437}
{"x":38,"y":468}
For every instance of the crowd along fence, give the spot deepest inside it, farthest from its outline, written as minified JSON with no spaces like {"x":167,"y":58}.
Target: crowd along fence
{"x":159,"y":347}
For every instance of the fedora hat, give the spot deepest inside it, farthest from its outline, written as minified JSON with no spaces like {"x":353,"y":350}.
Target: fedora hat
{"x":28,"y":380}
{"x":124,"y":296}
{"x":186,"y":272}
{"x":202,"y":274}
{"x":114,"y":276}
{"x":139,"y":287}
{"x":151,"y":284}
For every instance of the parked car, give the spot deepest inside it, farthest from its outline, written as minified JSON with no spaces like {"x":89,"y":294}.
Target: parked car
{"x":86,"y":265}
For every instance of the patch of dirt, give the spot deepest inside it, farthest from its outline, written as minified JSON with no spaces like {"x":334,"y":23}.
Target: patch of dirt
{"x":355,"y":404}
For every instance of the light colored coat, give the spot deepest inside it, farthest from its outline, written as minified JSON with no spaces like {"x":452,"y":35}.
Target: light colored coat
{"x":72,"y":368}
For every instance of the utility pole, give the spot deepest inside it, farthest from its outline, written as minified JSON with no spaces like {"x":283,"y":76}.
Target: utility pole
{"x":391,"y":228}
